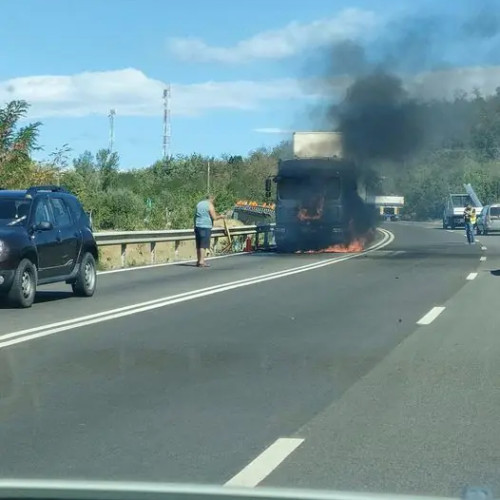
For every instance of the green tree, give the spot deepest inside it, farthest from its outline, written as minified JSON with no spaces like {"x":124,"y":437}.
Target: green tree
{"x":107,"y":164}
{"x":16,"y":144}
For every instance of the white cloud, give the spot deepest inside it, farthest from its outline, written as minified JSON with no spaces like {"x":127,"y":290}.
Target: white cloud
{"x":132,"y":93}
{"x":279,"y":43}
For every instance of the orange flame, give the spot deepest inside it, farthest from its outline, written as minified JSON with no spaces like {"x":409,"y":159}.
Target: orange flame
{"x":305,"y":214}
{"x":356,"y":246}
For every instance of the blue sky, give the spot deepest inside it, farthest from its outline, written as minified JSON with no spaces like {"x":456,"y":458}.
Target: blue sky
{"x":239,"y":69}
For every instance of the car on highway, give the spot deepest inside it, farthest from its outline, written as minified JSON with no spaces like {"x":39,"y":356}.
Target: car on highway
{"x":45,"y":237}
{"x":489,"y":219}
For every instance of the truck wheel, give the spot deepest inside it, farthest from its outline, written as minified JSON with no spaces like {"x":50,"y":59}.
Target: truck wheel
{"x":445,"y":226}
{"x":86,"y":279}
{"x":23,"y":290}
{"x":452,"y":224}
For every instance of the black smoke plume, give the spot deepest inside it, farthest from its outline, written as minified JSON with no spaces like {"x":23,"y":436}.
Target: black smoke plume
{"x":379,"y":119}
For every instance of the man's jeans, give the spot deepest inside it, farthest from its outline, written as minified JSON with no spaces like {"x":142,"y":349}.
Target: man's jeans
{"x":469,"y":231}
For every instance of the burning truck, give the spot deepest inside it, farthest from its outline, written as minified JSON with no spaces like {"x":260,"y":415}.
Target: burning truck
{"x":320,"y":198}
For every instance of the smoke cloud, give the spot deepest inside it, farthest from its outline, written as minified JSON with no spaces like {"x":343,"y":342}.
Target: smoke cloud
{"x":379,"y":119}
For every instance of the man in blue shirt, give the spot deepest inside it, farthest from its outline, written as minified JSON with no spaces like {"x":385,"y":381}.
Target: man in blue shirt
{"x":204,"y":218}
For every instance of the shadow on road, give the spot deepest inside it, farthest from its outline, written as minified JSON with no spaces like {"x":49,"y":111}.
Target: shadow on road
{"x":50,"y":296}
{"x":41,"y":298}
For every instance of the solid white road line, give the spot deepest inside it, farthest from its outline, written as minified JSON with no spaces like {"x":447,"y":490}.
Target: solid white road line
{"x":165,"y":264}
{"x":257,"y":470}
{"x":483,"y":258}
{"x":50,"y":329}
{"x":430,"y":316}
{"x":472,"y":276}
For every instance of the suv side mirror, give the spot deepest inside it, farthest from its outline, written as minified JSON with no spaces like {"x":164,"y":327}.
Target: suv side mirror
{"x":44,"y":226}
{"x":89,"y":218}
{"x":268,"y":188}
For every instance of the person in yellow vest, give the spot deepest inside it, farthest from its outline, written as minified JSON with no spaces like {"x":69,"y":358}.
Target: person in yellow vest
{"x":470,"y":221}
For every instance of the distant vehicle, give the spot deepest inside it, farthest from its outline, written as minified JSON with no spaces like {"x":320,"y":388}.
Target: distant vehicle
{"x":319,"y":194}
{"x":489,"y":219}
{"x":387,"y":207}
{"x":453,"y":214}
{"x":45,"y":237}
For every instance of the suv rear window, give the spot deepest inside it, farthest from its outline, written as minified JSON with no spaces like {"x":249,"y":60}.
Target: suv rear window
{"x":495,"y":212}
{"x":61,"y":212}
{"x":75,"y":207}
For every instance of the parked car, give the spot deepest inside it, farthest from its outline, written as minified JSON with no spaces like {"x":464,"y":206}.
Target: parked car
{"x":45,"y":237}
{"x":489,"y":220}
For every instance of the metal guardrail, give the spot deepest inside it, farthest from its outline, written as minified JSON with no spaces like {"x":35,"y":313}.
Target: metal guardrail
{"x":124,"y":238}
{"x":131,"y":237}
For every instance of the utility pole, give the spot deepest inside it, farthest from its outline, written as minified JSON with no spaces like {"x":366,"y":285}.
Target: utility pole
{"x":166,"y":122}
{"x":208,"y":177}
{"x":111,"y":117}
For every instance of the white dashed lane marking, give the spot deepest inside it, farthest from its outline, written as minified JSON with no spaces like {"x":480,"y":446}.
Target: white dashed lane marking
{"x":431,"y":316}
{"x":257,"y":470}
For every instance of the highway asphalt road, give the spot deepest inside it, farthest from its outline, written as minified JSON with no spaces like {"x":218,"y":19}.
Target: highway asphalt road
{"x":193,"y":388}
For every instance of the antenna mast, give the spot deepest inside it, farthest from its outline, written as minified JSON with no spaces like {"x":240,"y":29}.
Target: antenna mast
{"x":111,"y":117}
{"x":166,"y":122}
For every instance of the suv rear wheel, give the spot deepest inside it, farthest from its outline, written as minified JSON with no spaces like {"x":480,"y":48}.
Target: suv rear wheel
{"x":23,"y":289}
{"x":85,"y":283}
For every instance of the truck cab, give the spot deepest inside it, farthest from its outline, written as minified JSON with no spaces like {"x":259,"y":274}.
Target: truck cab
{"x":317,"y":194}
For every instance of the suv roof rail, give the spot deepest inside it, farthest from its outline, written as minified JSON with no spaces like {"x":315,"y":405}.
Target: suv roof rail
{"x":50,"y":188}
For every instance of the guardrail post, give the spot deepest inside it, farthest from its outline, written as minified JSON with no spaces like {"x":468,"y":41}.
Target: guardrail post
{"x":153,"y":252}
{"x":124,"y":254}
{"x":272,"y":240}
{"x":266,"y":239}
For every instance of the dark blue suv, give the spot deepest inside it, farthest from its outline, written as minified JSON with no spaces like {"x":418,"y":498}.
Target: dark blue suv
{"x":45,"y":237}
